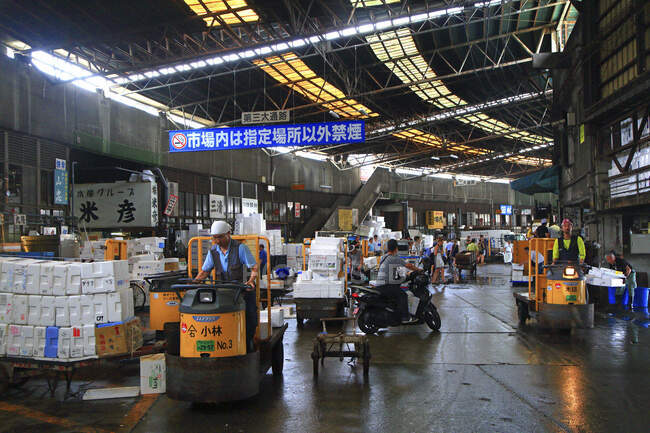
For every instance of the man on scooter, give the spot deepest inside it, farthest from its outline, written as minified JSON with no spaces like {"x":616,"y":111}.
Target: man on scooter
{"x":390,"y":281}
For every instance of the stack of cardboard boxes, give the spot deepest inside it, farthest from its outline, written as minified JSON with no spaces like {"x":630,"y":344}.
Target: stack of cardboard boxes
{"x":50,"y":309}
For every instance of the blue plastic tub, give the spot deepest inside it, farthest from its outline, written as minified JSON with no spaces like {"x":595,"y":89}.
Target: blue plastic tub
{"x":51,"y":342}
{"x":640,"y":297}
{"x":611,"y":292}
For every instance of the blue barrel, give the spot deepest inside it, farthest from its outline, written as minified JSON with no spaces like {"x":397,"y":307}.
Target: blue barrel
{"x":611,"y":294}
{"x":641,"y":297}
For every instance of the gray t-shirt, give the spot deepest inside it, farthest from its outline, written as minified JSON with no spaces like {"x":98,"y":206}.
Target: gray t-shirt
{"x":388,"y":269}
{"x":355,"y":258}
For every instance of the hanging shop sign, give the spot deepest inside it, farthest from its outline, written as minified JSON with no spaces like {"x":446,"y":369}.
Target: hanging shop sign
{"x":217,"y":206}
{"x":248,"y":206}
{"x":257,"y":117}
{"x":107,"y":205}
{"x":251,"y":137}
{"x":435,"y":219}
{"x":297,"y":210}
{"x":506,"y":209}
{"x":171,"y":204}
{"x":60,"y":182}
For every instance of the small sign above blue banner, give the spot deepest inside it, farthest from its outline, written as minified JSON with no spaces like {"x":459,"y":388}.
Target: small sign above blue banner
{"x":506,"y":209}
{"x":250,"y":137}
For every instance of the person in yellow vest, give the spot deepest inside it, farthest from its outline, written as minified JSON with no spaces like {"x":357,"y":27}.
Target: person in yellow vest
{"x":530,"y":234}
{"x":569,"y":248}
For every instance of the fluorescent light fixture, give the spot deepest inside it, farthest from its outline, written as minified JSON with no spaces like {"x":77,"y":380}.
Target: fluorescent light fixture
{"x":280,"y":47}
{"x":436,"y":158}
{"x":271,"y":188}
{"x":298,"y":43}
{"x":401,"y":21}
{"x":334,"y":114}
{"x":231,"y":57}
{"x":326,"y":186}
{"x":10,"y":53}
{"x":332,"y":35}
{"x":454,"y":11}
{"x":199,"y":64}
{"x":216,"y":60}
{"x":379,"y":25}
{"x":152,"y":74}
{"x":366,"y":28}
{"x":453,"y":155}
{"x":349,"y":31}
{"x":246,"y":54}
{"x":419,"y":17}
{"x":314,"y":39}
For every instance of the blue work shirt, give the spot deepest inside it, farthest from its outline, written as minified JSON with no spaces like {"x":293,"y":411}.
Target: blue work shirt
{"x":245,"y":256}
{"x":262,"y":257}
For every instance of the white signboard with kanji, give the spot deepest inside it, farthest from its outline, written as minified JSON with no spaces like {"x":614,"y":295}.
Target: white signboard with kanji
{"x":217,"y":206}
{"x":116,"y":205}
{"x":248,"y":206}
{"x":255,"y":117}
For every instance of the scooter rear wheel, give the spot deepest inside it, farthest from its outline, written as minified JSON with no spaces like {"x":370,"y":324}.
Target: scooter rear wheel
{"x":432,"y":317}
{"x":366,"y":323}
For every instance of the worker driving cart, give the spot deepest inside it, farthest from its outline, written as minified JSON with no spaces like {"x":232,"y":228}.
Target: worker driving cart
{"x":228,"y":257}
{"x":570,"y":248}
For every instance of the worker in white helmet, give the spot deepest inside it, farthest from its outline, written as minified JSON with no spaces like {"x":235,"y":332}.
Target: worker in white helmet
{"x":228,"y":257}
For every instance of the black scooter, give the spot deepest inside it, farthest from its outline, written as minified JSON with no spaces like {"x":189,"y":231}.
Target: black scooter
{"x":374,"y":311}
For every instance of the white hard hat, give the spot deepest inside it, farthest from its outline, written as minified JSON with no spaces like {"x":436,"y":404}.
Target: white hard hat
{"x":219,"y":228}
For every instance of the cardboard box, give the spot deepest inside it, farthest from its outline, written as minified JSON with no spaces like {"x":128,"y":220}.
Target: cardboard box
{"x":153,"y":374}
{"x":120,"y":338}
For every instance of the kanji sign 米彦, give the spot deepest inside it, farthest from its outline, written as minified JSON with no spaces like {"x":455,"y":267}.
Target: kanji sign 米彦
{"x":114,"y":205}
{"x":251,"y":137}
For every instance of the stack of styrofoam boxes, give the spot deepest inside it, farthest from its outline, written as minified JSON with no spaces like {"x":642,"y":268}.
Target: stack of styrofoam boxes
{"x":322,"y":279}
{"x":518,"y":273}
{"x":253,"y":224}
{"x":153,"y":246}
{"x":143,"y":265}
{"x":275,"y":239}
{"x":605,"y":277}
{"x":294,"y":256}
{"x":48,"y":309}
{"x":93,"y":250}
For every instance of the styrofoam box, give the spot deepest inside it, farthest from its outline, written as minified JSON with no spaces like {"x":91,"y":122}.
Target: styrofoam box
{"x":6,"y":307}
{"x":46,"y":278}
{"x":27,"y":341}
{"x":20,"y":310}
{"x":413,"y":302}
{"x":310,"y":289}
{"x":87,"y":310}
{"x":120,"y":305}
{"x":39,"y":341}
{"x":48,"y":311}
{"x":77,"y":342}
{"x":145,"y":268}
{"x":33,"y":278}
{"x":324,"y":262}
{"x":7,"y":275}
{"x":65,"y":339}
{"x":100,"y":308}
{"x":13,"y":340}
{"x":61,"y":311}
{"x":74,"y":309}
{"x":34,"y":309}
{"x":335,"y":289}
{"x":73,"y":279}
{"x":277,"y":317}
{"x":517,"y":267}
{"x":89,"y":340}
{"x":20,"y":272}
{"x":59,"y":280}
{"x":104,"y":277}
{"x":4,"y":328}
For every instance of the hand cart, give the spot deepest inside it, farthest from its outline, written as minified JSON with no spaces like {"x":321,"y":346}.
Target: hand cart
{"x":339,"y":345}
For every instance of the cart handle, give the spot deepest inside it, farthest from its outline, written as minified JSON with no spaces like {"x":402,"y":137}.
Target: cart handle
{"x":239,"y":288}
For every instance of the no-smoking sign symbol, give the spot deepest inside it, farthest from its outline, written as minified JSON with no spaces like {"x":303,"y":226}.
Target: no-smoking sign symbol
{"x":179,"y":141}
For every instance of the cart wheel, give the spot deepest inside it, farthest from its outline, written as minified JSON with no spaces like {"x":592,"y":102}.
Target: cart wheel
{"x":277,"y":359}
{"x":299,"y":320}
{"x":366,"y":359}
{"x":522,"y":312}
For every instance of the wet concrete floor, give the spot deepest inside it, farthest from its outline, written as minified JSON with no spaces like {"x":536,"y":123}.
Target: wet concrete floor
{"x":480,"y":373}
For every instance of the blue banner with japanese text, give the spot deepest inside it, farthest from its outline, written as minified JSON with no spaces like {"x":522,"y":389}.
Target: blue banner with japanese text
{"x":249,"y":137}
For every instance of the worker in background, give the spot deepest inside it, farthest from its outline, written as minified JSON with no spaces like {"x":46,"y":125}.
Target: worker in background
{"x":542,"y":230}
{"x":228,"y":258}
{"x":471,"y":246}
{"x":507,"y":252}
{"x":620,"y":264}
{"x":555,"y":232}
{"x":537,"y":257}
{"x":438,"y":260}
{"x":529,"y":233}
{"x":569,"y":247}
{"x":467,"y":242}
{"x":482,"y":250}
{"x":416,"y":248}
{"x":263,"y":259}
{"x":356,"y":261}
{"x":389,"y":280}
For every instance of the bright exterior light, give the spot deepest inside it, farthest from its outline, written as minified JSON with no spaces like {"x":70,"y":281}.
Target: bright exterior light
{"x":453,"y":156}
